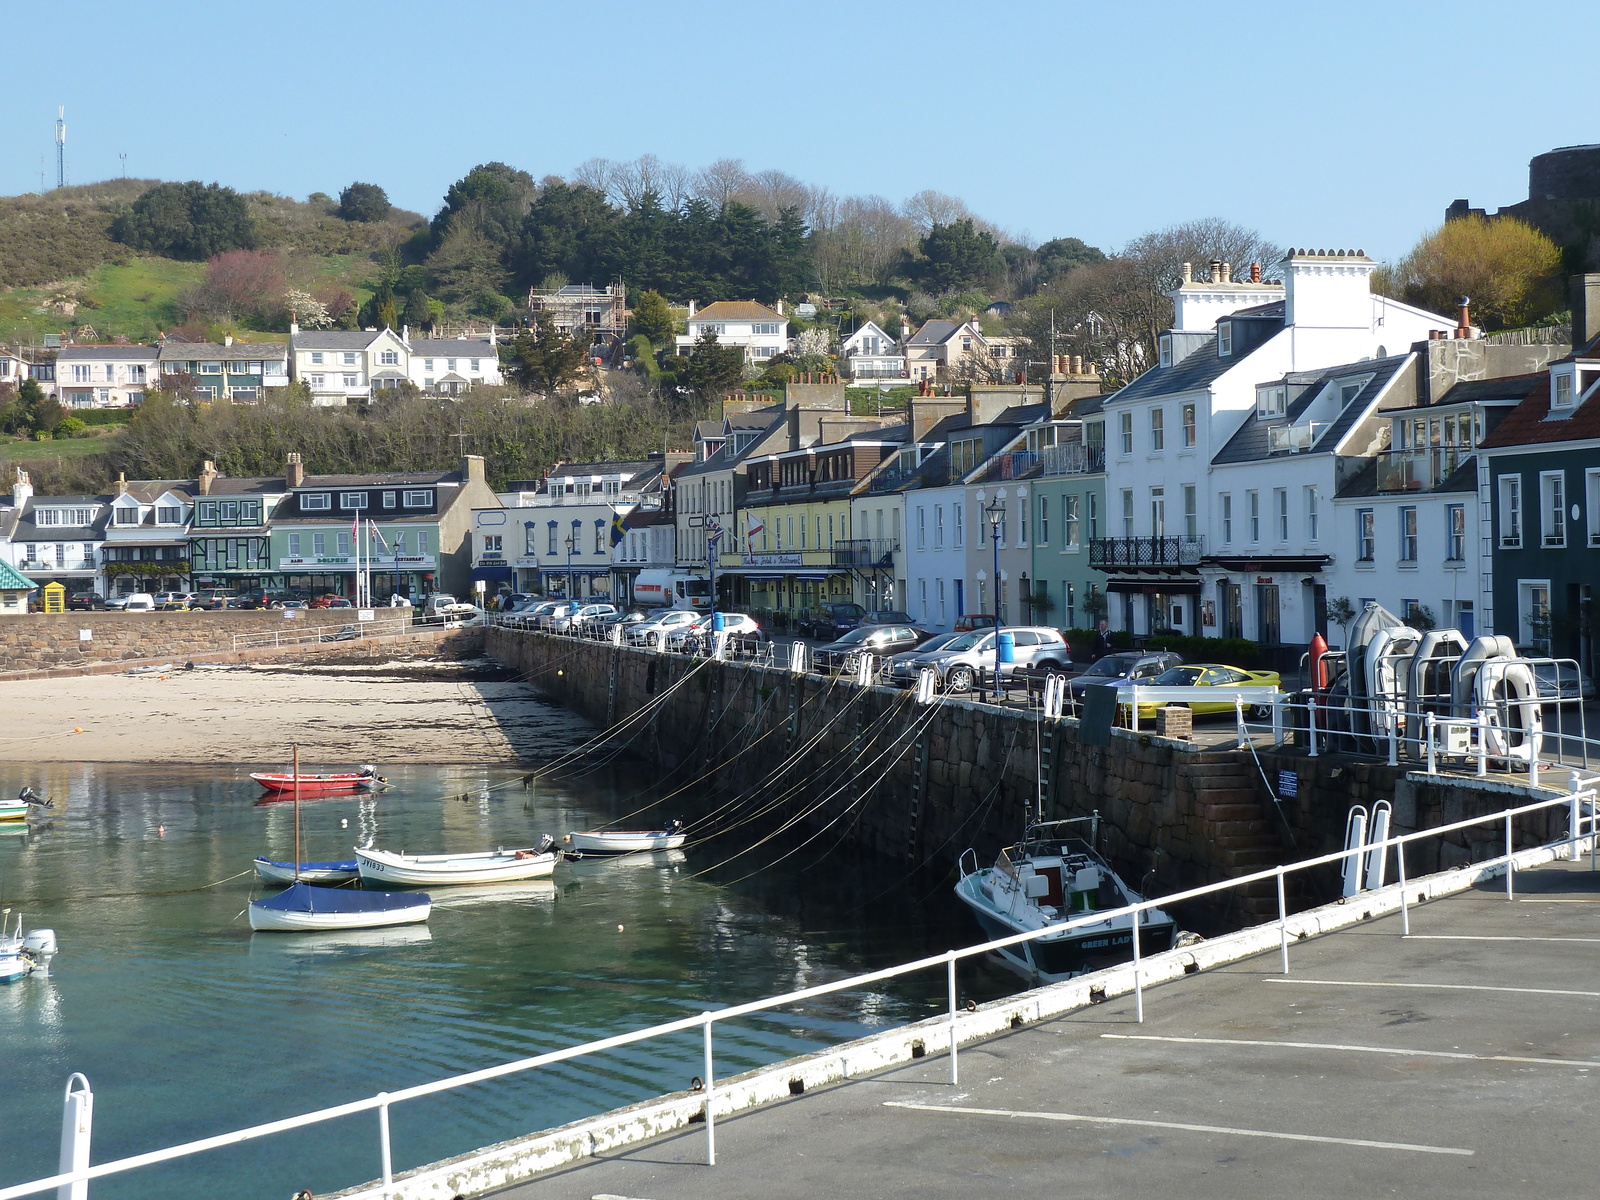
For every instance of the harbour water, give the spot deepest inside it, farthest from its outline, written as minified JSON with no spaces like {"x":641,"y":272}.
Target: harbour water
{"x":187,"y":1024}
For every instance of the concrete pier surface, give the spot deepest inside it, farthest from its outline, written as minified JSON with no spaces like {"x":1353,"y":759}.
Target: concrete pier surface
{"x":1462,"y":1061}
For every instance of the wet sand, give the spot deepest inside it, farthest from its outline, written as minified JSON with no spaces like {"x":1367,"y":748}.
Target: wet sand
{"x":414,"y":710}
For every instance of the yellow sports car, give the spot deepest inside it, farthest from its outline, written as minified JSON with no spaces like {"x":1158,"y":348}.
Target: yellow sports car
{"x":1209,"y":675}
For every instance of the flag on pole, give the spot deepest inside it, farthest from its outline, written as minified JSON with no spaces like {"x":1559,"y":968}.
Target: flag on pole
{"x":378,"y":533}
{"x":755,"y":526}
{"x":619,"y":525}
{"x":713,"y":531}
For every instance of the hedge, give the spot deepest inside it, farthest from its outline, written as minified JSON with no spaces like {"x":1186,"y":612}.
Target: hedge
{"x":1236,"y":652}
{"x":103,"y":416}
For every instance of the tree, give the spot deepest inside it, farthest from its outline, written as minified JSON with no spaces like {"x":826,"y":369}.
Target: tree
{"x":543,"y":359}
{"x":418,"y":314}
{"x":365,"y":202}
{"x":955,"y":256}
{"x":570,"y":228}
{"x":712,"y":369}
{"x":306,"y":310}
{"x":186,"y":220}
{"x":241,"y":284}
{"x":653,"y":318}
{"x":491,"y":199}
{"x":1509,"y":270}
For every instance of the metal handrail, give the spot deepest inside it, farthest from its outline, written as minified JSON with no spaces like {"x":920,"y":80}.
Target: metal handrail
{"x":383,"y":1101}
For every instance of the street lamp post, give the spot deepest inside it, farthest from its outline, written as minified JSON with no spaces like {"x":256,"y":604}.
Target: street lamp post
{"x":572,"y":542}
{"x":996,"y":512}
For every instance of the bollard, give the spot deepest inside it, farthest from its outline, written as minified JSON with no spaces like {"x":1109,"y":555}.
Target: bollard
{"x":1283,"y":925}
{"x":1433,"y":756}
{"x":711,"y":1128}
{"x":385,"y":1147}
{"x":1311,"y":724}
{"x":1138,"y":969}
{"x":927,"y":685}
{"x":950,"y":968}
{"x":77,"y":1121}
{"x":1483,"y":743}
{"x":797,"y":657}
{"x":1405,"y":909}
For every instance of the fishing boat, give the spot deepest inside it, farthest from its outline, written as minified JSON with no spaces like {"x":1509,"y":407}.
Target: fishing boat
{"x":337,"y":781}
{"x":303,"y":906}
{"x":1048,"y":879}
{"x":270,"y":871}
{"x":600,"y":842}
{"x":443,"y":870}
{"x":27,"y":800}
{"x":20,"y":954}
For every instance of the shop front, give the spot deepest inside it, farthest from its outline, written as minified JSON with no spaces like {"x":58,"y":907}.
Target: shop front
{"x":412,"y":575}
{"x":576,"y":583}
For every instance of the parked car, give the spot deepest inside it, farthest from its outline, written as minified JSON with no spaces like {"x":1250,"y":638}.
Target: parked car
{"x":886,"y":617}
{"x":255,"y":598}
{"x":574,"y":620}
{"x":173,"y":601}
{"x":117,"y":603}
{"x":507,"y":601}
{"x":967,"y":622}
{"x":829,"y":621}
{"x":85,"y":602}
{"x":300,"y":604}
{"x":968,"y":658}
{"x":937,"y":642}
{"x":643,"y":634}
{"x":211,"y":599}
{"x":696,"y":638}
{"x":882,"y":641}
{"x":1208,"y":675}
{"x":1564,"y":681}
{"x":1123,"y":664}
{"x":141,"y":602}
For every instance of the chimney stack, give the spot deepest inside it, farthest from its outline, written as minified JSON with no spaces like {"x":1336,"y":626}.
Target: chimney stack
{"x":1227,"y":272}
{"x":22,"y":489}
{"x":1216,"y":271}
{"x":472,"y":468}
{"x":121,"y":486}
{"x":1255,"y":272}
{"x":691,"y":310}
{"x":1464,"y":317}
{"x":227,"y":339}
{"x":208,"y":476}
{"x":294,"y":471}
{"x":1187,"y":273}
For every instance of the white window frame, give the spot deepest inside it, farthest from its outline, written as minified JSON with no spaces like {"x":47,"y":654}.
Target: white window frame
{"x":1127,"y":512}
{"x":421,"y":498}
{"x":1253,"y":502}
{"x":1455,"y":542}
{"x":1366,"y":535}
{"x":1158,"y":430}
{"x":1166,"y":349}
{"x":1271,"y":402}
{"x":1187,"y":416}
{"x":1591,"y":488}
{"x":1280,"y":501}
{"x":352,"y":501}
{"x":1313,"y":514}
{"x":1125,"y":432}
{"x":1509,"y":491}
{"x":1070,"y":525}
{"x":1563,"y":387}
{"x":1408,"y":534}
{"x":1224,"y":339}
{"x":316,"y":502}
{"x":1553,"y":510}
{"x":1225,"y":504}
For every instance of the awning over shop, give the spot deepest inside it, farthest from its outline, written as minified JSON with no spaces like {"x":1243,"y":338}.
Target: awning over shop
{"x":492,"y":574}
{"x":560,"y":572}
{"x":1163,"y":587}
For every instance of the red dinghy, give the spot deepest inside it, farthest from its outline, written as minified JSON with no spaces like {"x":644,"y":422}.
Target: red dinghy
{"x":312,"y":785}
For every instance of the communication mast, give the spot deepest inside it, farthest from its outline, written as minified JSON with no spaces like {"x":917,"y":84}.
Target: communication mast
{"x":61,"y":146}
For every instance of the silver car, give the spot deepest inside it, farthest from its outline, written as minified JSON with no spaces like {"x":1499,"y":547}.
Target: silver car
{"x":970,"y":657}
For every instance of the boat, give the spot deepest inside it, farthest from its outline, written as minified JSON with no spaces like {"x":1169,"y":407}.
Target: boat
{"x":442,"y":870}
{"x":305,"y":906}
{"x":306,"y":872}
{"x":335,"y":781}
{"x":24,"y":954}
{"x":1047,"y":879}
{"x":598,"y":842}
{"x":27,"y":800}
{"x":150,"y":669}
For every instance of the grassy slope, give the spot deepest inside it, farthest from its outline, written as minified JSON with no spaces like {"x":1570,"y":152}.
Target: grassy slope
{"x":105,"y":438}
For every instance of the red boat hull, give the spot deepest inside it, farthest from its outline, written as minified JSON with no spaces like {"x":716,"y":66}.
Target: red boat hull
{"x":312,"y":785}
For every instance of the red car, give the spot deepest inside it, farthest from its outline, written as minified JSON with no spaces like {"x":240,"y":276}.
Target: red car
{"x":330,"y":602}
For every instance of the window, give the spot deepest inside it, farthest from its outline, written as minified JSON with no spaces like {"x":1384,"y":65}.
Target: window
{"x":1125,"y":429}
{"x":1591,"y":487}
{"x":128,"y":515}
{"x":955,"y":516}
{"x":1510,"y":512}
{"x":1313,"y":517}
{"x":316,"y":358}
{"x":1534,"y":597}
{"x":1044,"y":520}
{"x":492,"y":545}
{"x":1271,"y":402}
{"x":1226,"y":504}
{"x":1366,"y":535}
{"x":1094,"y":515}
{"x":1188,"y":425}
{"x":316,"y":502}
{"x":1158,"y":512}
{"x":449,"y":364}
{"x":1191,"y":515}
{"x":1224,"y":339}
{"x":599,"y":537}
{"x":422,"y":541}
{"x":922,"y":528}
{"x":1408,"y":533}
{"x":349,"y":358}
{"x":1127,"y":512}
{"x":476,"y":364}
{"x":1561,"y":389}
{"x":1166,"y":350}
{"x":1553,"y":509}
{"x":389,"y":358}
{"x":319,"y":381}
{"x":343,"y":543}
{"x":423,"y":499}
{"x":938,"y":527}
{"x":352,"y":500}
{"x":211,"y":368}
{"x":294,"y":545}
{"x":82,"y":373}
{"x":1253,"y":498}
{"x":1158,"y":429}
{"x":1455,"y":527}
{"x":319,"y":544}
{"x":1022,"y":520}
{"x":351,"y":381}
{"x":1280,"y":503}
{"x":551,"y":549}
{"x":136,"y":373}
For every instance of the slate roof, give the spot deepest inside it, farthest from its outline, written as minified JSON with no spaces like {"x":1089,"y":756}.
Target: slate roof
{"x":737,"y":310}
{"x":106,"y":353}
{"x":256,"y":485}
{"x":934,"y":333}
{"x":454,"y":348}
{"x":1251,"y":442}
{"x":1508,"y":387}
{"x":148,"y":491}
{"x":207,"y":351}
{"x":388,"y":479}
{"x":1196,"y":371}
{"x":335,"y":339}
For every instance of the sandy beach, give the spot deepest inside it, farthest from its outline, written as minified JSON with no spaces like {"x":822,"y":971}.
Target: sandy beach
{"x":412,"y":710}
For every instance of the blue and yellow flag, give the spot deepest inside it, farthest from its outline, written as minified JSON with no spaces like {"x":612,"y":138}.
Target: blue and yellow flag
{"x":619,"y":526}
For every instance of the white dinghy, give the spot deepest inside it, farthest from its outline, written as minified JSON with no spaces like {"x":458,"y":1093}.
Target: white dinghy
{"x":303,"y":907}
{"x":600,"y":842}
{"x":444,"y":870}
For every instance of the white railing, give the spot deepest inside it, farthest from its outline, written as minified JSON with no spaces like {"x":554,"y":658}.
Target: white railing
{"x":1581,"y":822}
{"x":382,"y":624}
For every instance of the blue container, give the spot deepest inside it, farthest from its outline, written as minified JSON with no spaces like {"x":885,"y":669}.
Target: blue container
{"x":716,"y":623}
{"x":1008,"y":647}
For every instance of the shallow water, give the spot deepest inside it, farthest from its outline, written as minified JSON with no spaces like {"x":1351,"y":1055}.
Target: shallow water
{"x":188,"y":1025}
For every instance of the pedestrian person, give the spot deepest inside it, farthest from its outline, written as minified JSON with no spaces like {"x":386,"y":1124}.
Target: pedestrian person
{"x":1102,"y":642}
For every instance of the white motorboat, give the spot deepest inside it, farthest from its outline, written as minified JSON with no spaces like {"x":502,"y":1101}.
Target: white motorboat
{"x":27,"y":800}
{"x":444,"y":870}
{"x":303,"y":907}
{"x":285,"y":873}
{"x":1049,"y":879}
{"x":20,"y":954}
{"x":626,"y":841}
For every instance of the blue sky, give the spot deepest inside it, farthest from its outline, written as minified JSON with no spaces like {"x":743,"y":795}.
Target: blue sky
{"x":1343,"y":124}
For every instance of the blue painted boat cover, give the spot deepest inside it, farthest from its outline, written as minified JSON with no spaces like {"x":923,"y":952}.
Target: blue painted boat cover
{"x":350,"y":865}
{"x":303,"y":897}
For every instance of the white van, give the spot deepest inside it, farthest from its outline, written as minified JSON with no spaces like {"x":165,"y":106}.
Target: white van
{"x":141,"y":602}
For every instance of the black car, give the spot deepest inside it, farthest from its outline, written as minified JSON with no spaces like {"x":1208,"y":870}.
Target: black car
{"x":1124,"y":664}
{"x":829,"y":621}
{"x":881,"y":641}
{"x":886,"y":617}
{"x":85,"y":602}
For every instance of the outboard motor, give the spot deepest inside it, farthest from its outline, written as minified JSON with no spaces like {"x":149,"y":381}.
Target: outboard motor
{"x":28,"y":796}
{"x":544,"y":845}
{"x":674,"y":825}
{"x":39,"y":947}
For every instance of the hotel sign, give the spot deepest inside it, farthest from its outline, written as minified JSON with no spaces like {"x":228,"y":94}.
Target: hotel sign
{"x":401,"y":562}
{"x":771,"y":560}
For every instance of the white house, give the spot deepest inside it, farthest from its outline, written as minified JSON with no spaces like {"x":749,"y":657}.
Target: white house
{"x":340,"y":367}
{"x":453,"y":365}
{"x":1234,"y":352}
{"x":53,"y":538}
{"x":104,"y":376}
{"x":870,"y":353}
{"x":146,"y":547}
{"x":762,"y":332}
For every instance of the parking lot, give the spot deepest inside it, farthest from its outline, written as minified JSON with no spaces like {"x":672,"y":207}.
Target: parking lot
{"x":1461,"y":1061}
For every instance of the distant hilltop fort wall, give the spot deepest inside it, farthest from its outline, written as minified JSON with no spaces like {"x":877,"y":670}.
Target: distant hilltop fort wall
{"x":1563,"y":203}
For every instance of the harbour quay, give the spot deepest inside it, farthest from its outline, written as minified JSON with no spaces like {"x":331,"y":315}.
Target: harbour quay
{"x":1457,"y":1061}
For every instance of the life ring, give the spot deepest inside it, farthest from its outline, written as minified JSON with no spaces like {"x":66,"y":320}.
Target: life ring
{"x":1508,"y":697}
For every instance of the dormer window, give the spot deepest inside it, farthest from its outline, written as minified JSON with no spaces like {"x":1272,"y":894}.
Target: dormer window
{"x":128,"y":515}
{"x":1271,"y":402}
{"x":1166,"y":350}
{"x":1562,"y":389}
{"x":1224,"y":339}
{"x":316,"y":502}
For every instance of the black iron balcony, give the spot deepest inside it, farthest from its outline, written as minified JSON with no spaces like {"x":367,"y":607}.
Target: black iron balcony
{"x":865,"y":552}
{"x":1125,"y":552}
